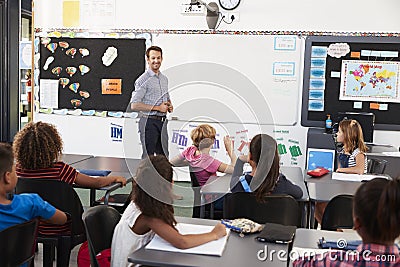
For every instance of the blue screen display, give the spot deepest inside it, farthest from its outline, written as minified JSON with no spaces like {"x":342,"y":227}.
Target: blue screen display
{"x":320,"y":158}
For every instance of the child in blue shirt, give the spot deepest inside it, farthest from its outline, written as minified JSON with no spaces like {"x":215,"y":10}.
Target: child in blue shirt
{"x":23,"y":207}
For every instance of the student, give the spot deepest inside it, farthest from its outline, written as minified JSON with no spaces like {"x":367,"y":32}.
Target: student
{"x":265,"y":178}
{"x":376,"y":219}
{"x":151,"y":212}
{"x":198,"y":155}
{"x":38,"y":147}
{"x":23,"y":207}
{"x":351,"y":158}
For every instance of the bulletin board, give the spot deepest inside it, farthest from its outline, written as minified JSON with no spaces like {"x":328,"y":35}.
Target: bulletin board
{"x":334,"y":64}
{"x":78,"y":65}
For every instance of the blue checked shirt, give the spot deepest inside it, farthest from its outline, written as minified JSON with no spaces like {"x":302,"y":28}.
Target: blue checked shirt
{"x":151,"y":89}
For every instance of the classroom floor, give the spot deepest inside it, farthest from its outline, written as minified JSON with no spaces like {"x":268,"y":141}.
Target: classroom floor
{"x":182,"y":208}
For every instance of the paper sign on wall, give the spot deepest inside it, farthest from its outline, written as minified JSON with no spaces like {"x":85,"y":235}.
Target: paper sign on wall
{"x":111,"y":86}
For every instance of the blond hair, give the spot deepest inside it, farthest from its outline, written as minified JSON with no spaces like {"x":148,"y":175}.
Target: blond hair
{"x":352,"y":136}
{"x":203,"y":136}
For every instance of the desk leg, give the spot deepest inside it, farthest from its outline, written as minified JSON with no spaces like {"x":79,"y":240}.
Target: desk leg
{"x":212,"y":207}
{"x":92,"y":197}
{"x":311,"y":214}
{"x":202,"y":206}
{"x":304,"y":213}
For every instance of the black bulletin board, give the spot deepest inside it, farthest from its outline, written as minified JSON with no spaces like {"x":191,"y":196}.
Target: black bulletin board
{"x":129,"y":64}
{"x":384,"y":120}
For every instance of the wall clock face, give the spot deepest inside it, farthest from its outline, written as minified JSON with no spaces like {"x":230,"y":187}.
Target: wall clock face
{"x":229,"y":4}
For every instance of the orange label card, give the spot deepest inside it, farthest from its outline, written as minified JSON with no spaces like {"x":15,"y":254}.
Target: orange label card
{"x":355,"y":54}
{"x":373,"y":105}
{"x":111,"y":86}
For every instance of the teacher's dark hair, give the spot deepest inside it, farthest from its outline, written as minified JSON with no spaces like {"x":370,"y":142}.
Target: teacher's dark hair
{"x":154,"y":48}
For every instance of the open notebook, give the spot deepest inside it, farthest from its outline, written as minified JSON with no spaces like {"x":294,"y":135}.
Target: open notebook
{"x":211,"y":248}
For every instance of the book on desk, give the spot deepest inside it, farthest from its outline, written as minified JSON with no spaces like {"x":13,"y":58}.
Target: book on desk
{"x":356,"y":177}
{"x":215,"y":247}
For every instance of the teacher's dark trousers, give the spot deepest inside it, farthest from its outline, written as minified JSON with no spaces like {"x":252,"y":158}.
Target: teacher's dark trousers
{"x":153,"y":136}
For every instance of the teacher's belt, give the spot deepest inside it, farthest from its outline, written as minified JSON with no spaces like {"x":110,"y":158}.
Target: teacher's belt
{"x":154,"y":117}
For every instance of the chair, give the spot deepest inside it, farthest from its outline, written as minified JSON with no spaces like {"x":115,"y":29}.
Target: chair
{"x":18,"y":244}
{"x":99,"y":222}
{"x":282,"y":209}
{"x":376,"y":166}
{"x":338,"y":213}
{"x":197,"y":200}
{"x":63,"y":197}
{"x":117,"y":201}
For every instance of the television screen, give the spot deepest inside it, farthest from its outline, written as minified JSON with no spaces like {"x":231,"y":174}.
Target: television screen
{"x":372,"y":81}
{"x":320,"y":158}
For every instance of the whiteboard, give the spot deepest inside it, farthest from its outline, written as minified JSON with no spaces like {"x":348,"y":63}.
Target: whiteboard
{"x":253,"y":79}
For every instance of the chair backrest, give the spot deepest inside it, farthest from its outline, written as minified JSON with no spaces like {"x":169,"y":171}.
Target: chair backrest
{"x":338,"y":213}
{"x":376,"y":166}
{"x":18,"y":243}
{"x":282,"y":209}
{"x":59,"y":194}
{"x":100,"y":222}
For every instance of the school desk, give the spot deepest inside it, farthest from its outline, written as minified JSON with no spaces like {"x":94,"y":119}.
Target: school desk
{"x":118,"y":167}
{"x":308,"y":238}
{"x":74,"y":158}
{"x":324,"y":188}
{"x":239,"y":251}
{"x":108,"y":163}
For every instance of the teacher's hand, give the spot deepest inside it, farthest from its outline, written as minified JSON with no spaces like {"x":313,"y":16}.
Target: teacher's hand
{"x":163,"y":107}
{"x":170,"y":107}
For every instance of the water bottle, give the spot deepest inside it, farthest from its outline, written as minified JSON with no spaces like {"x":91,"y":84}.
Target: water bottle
{"x":328,"y":124}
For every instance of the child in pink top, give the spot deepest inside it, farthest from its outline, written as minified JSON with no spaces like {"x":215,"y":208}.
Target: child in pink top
{"x":198,"y":155}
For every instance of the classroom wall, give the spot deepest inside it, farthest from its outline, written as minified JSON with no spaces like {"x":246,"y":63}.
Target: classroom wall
{"x":307,"y":15}
{"x":85,"y":135}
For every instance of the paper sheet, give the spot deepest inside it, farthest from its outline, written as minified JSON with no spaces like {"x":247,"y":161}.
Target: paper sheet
{"x":355,"y":177}
{"x":211,"y":248}
{"x":392,"y":153}
{"x":49,"y":93}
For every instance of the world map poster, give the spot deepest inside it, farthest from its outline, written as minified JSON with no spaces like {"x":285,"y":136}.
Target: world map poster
{"x":372,"y":81}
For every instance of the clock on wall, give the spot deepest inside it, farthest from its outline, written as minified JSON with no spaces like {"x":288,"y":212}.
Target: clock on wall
{"x":229,"y":4}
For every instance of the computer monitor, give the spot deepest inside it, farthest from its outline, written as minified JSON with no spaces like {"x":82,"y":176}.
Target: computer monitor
{"x":317,"y":157}
{"x":366,"y":120}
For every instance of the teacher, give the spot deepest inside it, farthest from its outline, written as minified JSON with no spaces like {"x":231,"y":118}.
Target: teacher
{"x":151,"y":99}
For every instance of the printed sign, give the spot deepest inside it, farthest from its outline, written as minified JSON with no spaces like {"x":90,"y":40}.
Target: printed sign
{"x":111,"y":86}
